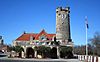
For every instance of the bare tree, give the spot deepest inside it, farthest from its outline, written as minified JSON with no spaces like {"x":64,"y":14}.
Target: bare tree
{"x":95,"y":42}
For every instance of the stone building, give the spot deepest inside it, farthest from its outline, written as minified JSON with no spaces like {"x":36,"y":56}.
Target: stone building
{"x":63,"y":36}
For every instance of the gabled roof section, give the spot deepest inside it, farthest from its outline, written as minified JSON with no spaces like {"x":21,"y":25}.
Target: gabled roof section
{"x":41,"y":33}
{"x":26,"y":36}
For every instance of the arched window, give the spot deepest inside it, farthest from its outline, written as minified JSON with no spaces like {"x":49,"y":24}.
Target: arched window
{"x":42,"y":37}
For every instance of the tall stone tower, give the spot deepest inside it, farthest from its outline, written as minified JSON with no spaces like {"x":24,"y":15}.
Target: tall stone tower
{"x":1,"y":40}
{"x":63,"y":25}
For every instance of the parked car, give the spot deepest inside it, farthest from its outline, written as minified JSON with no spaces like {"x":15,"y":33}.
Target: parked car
{"x":2,"y":54}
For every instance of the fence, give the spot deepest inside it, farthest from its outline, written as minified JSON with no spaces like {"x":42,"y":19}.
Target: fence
{"x":89,"y":58}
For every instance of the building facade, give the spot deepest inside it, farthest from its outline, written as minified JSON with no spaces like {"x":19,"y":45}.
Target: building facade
{"x":62,"y":35}
{"x":31,"y":40}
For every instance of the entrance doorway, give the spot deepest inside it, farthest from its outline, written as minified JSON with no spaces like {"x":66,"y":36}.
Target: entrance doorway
{"x":54,"y":53}
{"x":29,"y":52}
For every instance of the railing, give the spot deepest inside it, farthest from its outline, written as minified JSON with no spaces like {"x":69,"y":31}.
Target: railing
{"x":89,"y":58}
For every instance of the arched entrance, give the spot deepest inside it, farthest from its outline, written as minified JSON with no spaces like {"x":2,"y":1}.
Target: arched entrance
{"x":54,"y":53}
{"x":29,"y":52}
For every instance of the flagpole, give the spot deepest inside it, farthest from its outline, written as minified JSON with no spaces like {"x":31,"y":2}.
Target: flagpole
{"x":86,"y":43}
{"x":86,"y":35}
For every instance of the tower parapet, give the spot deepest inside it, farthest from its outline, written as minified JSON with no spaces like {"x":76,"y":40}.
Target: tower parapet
{"x":66,"y":9}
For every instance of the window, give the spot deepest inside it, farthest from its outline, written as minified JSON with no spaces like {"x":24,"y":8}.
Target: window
{"x":42,"y":37}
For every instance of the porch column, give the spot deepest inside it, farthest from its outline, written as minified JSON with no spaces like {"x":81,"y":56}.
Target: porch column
{"x":23,"y":54}
{"x":58,"y":54}
{"x":35,"y":54}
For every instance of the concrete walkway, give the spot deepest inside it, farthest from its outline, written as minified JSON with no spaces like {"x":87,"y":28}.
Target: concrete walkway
{"x":37,"y":60}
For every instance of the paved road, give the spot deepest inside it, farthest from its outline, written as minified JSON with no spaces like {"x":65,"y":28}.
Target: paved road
{"x":38,"y":60}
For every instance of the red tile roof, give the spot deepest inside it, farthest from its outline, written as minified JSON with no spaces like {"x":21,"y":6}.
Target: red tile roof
{"x":26,"y":36}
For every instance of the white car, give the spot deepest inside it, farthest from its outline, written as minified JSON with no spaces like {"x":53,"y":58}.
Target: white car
{"x":2,"y":54}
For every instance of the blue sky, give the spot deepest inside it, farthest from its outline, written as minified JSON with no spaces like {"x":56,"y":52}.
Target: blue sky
{"x":17,"y":16}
